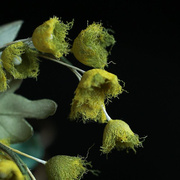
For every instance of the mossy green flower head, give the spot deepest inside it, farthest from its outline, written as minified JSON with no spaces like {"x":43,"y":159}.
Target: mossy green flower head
{"x":20,"y":61}
{"x":63,"y":167}
{"x":117,"y":134}
{"x":9,"y":170}
{"x":90,"y":45}
{"x":3,"y":81}
{"x":95,"y":86}
{"x":50,"y":37}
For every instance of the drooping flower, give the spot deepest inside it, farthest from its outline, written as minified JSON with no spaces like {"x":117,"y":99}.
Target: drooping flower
{"x":117,"y":134}
{"x":9,"y":170}
{"x":63,"y":167}
{"x":20,"y":61}
{"x":95,"y":86}
{"x":50,"y":37}
{"x":90,"y":45}
{"x":3,"y":81}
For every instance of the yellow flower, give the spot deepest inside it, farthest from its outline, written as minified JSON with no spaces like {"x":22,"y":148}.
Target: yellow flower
{"x":50,"y":37}
{"x":9,"y":170}
{"x":3,"y":81}
{"x":117,"y":134}
{"x":95,"y":86}
{"x":63,"y":167}
{"x":90,"y":45}
{"x":20,"y":61}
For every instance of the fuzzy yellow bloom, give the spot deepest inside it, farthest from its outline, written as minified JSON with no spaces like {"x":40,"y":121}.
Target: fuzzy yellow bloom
{"x":95,"y":86}
{"x":3,"y":81}
{"x":50,"y":37}
{"x":20,"y":61}
{"x":63,"y":167}
{"x":117,"y":134}
{"x":9,"y":170}
{"x":90,"y":45}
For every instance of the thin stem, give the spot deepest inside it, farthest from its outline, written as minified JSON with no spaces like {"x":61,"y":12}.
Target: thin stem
{"x":78,"y":75}
{"x":63,"y":63}
{"x":105,"y":112}
{"x":30,"y":173}
{"x":26,"y":155}
{"x":29,"y":156}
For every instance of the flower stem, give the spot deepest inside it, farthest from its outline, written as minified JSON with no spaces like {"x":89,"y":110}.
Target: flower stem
{"x":62,"y":63}
{"x":30,"y":173}
{"x":105,"y":112}
{"x":29,"y":156}
{"x":24,"y":154}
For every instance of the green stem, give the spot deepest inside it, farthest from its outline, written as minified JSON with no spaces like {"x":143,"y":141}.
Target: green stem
{"x":17,"y":160}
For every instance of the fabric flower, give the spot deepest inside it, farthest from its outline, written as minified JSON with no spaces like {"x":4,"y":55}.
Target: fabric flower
{"x":50,"y":37}
{"x":20,"y":61}
{"x":90,"y":45}
{"x":117,"y":134}
{"x":63,"y":167}
{"x":95,"y":86}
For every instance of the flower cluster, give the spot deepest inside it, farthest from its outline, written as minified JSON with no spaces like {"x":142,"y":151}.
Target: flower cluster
{"x":97,"y":86}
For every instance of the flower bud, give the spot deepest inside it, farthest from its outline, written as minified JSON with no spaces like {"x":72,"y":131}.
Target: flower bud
{"x":50,"y":37}
{"x":117,"y":134}
{"x":63,"y":167}
{"x":95,"y":86}
{"x":90,"y":45}
{"x":20,"y":61}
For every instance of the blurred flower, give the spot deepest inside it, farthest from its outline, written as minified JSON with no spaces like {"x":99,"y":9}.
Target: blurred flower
{"x":63,"y":167}
{"x":90,"y":45}
{"x":3,"y":81}
{"x":95,"y":86}
{"x":9,"y":170}
{"x":117,"y":134}
{"x":20,"y":61}
{"x":50,"y":37}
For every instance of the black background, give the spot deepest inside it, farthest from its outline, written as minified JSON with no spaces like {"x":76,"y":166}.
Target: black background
{"x":146,"y":56}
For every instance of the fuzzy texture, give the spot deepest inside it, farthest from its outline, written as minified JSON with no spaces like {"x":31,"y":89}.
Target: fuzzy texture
{"x":90,"y":45}
{"x":95,"y":86}
{"x":50,"y":37}
{"x":9,"y":170}
{"x":63,"y":167}
{"x":3,"y":81}
{"x":29,"y":67}
{"x":117,"y":134}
